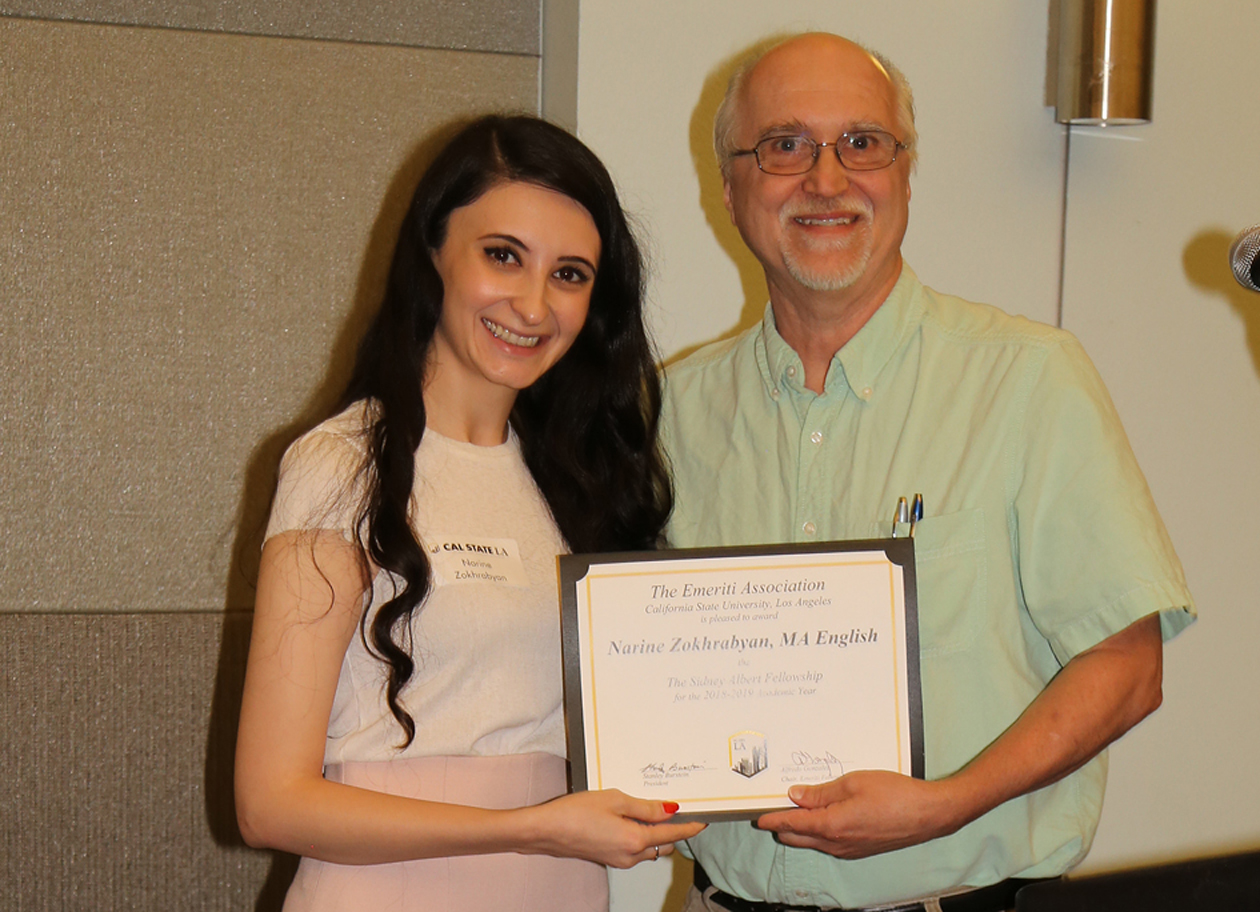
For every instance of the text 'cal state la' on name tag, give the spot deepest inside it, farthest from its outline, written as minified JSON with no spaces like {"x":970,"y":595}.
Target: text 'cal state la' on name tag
{"x":460,"y":559}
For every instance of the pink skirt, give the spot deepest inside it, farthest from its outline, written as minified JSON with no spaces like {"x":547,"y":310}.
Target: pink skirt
{"x":468,"y":883}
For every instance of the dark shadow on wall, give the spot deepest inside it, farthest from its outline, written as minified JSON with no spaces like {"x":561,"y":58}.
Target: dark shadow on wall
{"x":255,"y":504}
{"x":700,"y":138}
{"x":1206,"y":263}
{"x":683,"y":875}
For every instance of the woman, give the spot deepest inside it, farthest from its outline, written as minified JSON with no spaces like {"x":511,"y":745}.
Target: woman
{"x":402,"y":726}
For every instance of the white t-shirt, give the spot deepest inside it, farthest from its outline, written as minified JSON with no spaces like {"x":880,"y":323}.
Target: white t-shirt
{"x":486,"y":641}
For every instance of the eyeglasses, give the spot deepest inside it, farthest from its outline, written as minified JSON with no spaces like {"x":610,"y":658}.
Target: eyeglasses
{"x":864,"y":150}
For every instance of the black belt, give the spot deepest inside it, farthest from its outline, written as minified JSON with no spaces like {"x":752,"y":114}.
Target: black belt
{"x":997,"y":897}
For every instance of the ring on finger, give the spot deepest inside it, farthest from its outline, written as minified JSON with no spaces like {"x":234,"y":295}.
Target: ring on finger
{"x":657,"y":856}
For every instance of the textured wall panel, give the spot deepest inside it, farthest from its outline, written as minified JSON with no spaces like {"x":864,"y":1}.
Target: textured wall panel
{"x":191,"y":226}
{"x":509,"y":26}
{"x":116,"y":740}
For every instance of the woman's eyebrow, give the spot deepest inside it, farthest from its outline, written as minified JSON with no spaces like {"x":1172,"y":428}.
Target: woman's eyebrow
{"x":511,"y":239}
{"x":579,"y":259}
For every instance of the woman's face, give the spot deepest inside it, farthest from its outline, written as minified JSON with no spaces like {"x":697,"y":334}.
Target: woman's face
{"x":517,"y":267}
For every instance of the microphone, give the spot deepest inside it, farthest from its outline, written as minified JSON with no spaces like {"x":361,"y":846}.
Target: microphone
{"x":1244,"y":258}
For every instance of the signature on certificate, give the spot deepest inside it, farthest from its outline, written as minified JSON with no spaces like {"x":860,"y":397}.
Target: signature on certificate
{"x":665,"y":769}
{"x":835,"y":767}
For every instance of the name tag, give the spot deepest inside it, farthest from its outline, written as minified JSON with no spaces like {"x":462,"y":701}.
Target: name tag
{"x":458,"y":560}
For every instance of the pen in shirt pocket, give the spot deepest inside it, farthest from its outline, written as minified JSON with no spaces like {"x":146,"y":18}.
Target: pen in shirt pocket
{"x":905,"y":514}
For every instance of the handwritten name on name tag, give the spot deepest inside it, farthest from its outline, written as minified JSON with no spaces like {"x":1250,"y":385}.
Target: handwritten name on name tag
{"x":461,"y":559}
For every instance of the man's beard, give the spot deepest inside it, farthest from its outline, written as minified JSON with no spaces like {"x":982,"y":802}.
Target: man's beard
{"x":858,"y":246}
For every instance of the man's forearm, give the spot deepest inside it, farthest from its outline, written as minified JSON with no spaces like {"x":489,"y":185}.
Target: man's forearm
{"x":1097,"y":697}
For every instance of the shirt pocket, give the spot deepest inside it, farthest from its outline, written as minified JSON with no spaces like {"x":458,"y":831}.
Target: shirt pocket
{"x":952,"y":580}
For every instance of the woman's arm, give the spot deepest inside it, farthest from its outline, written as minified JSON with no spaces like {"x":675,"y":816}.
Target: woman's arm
{"x":310,"y":595}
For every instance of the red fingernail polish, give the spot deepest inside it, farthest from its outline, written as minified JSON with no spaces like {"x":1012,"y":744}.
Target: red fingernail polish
{"x":671,"y":807}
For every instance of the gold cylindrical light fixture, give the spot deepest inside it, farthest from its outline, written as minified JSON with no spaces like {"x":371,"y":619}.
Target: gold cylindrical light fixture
{"x":1106,"y":61}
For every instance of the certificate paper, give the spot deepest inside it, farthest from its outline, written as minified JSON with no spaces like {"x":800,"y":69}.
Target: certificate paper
{"x":721,"y":677}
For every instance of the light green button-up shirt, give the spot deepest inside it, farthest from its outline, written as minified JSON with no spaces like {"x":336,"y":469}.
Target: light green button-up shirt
{"x":1039,"y":540}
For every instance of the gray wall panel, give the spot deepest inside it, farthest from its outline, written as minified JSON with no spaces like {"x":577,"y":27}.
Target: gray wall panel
{"x":192,"y":225}
{"x":506,"y":26}
{"x":116,"y":737}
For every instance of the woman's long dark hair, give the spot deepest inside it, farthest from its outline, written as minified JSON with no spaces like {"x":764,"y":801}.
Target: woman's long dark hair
{"x":587,"y":427}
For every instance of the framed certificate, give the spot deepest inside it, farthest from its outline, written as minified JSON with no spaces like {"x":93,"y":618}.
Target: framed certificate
{"x":720,"y":677}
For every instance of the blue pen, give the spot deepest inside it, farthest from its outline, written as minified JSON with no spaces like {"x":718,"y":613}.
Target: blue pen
{"x":917,"y":513}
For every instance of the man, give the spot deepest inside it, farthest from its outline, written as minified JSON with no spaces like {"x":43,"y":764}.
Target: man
{"x":1046,"y":580}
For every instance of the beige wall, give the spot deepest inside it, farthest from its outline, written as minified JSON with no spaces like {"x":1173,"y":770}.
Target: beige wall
{"x":193,"y":225}
{"x":1147,"y":287}
{"x":1147,"y":213}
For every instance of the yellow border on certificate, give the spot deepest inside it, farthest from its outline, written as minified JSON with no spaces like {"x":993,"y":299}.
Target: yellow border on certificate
{"x":892,"y":612}
{"x":590,"y":630}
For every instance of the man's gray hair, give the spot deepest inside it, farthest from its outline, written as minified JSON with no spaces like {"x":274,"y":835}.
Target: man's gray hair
{"x":727,"y":118}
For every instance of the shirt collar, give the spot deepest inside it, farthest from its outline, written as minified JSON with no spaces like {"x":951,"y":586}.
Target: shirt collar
{"x":781,"y":367}
{"x":859,"y":363}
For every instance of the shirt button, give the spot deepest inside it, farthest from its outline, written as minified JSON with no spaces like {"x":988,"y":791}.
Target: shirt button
{"x":791,"y":371}
{"x":802,"y":894}
{"x":774,"y":394}
{"x":866,"y":392}
{"x":816,"y":437}
{"x":809,"y":528}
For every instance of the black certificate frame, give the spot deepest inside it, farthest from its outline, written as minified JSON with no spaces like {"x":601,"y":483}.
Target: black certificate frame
{"x":574,"y":568}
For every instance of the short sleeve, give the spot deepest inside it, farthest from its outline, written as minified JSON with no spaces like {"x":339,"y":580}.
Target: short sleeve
{"x":1094,"y":555}
{"x":321,"y":481}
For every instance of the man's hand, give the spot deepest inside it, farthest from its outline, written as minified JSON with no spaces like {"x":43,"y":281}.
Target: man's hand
{"x":1094,"y":699}
{"x":864,"y":813}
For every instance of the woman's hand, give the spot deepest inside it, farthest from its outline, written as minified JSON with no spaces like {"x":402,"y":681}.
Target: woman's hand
{"x":605,"y":826}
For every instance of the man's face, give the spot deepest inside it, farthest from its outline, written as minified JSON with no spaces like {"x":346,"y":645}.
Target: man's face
{"x":828,"y":229}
